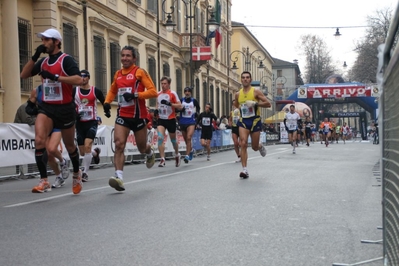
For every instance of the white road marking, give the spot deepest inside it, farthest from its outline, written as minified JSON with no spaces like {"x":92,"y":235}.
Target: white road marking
{"x":131,"y":182}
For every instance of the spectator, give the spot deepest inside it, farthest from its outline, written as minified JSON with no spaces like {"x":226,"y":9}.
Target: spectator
{"x":21,"y":117}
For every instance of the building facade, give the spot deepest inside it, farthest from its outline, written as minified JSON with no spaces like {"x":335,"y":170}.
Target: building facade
{"x":95,"y":31}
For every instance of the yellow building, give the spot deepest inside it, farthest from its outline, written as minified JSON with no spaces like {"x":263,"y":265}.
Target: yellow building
{"x":248,"y":54}
{"x":94,"y":31}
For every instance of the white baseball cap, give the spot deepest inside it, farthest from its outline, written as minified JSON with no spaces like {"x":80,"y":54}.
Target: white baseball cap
{"x":50,"y":33}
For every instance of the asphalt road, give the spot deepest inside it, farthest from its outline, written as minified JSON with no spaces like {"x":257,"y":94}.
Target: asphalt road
{"x":311,"y":208}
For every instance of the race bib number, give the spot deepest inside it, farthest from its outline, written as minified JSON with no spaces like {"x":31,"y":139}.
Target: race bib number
{"x":206,"y":121}
{"x":121,"y":100}
{"x":247,"y":111}
{"x":52,"y":92}
{"x":188,"y":111}
{"x":86,"y":113}
{"x":292,"y":125}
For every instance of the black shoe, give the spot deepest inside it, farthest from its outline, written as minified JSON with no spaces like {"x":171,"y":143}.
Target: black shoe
{"x":85,"y":177}
{"x":97,"y":157}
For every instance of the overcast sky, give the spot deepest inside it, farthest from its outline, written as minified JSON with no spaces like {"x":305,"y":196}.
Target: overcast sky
{"x":283,"y":43}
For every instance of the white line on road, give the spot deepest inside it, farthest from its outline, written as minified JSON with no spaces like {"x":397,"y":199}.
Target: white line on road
{"x":130,"y":182}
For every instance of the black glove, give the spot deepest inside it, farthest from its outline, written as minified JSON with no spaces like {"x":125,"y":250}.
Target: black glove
{"x":31,"y":108}
{"x":130,"y":96}
{"x":41,"y":49}
{"x":183,"y":109}
{"x":107,"y":114}
{"x":165,"y":102}
{"x":107,"y":109}
{"x":47,"y":75}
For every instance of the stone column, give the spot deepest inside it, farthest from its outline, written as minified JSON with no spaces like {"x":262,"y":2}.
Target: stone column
{"x":10,"y":59}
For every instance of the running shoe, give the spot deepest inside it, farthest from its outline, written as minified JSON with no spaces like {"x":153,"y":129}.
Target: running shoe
{"x":238,"y":160}
{"x":307,"y":144}
{"x":116,"y":183}
{"x":77,"y":183}
{"x":97,"y":157}
{"x":178,"y":159}
{"x":43,"y":186}
{"x":64,"y":169}
{"x":190,"y":156}
{"x":85,"y":177}
{"x":162,"y":163}
{"x":59,"y":182}
{"x":262,"y":151}
{"x":244,"y":174}
{"x":208,"y":157}
{"x":293,"y":151}
{"x":150,"y":160}
{"x":186,"y":158}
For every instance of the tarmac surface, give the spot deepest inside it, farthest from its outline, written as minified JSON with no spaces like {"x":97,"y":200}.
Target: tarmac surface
{"x":309,"y":208}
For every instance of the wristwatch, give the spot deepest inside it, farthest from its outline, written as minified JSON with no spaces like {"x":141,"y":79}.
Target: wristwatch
{"x":56,"y":76}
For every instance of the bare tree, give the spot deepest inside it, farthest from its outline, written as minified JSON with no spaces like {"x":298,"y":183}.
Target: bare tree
{"x":319,"y":64}
{"x":365,"y":66}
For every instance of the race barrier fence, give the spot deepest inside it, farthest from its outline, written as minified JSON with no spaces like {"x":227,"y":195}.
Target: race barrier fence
{"x":17,"y":145}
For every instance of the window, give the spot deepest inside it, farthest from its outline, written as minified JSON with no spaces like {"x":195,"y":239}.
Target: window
{"x":179,"y":82}
{"x":205,"y":90}
{"x":177,"y":16}
{"x":115,"y":58}
{"x":166,"y":69}
{"x":25,"y":50}
{"x":152,"y":6}
{"x":153,"y":74}
{"x":138,"y":1}
{"x":217,"y":107}
{"x":211,"y":96}
{"x":100,"y":67}
{"x":197,"y":91}
{"x":70,"y":41}
{"x":279,"y":73}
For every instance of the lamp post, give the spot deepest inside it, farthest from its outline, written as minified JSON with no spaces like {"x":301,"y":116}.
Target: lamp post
{"x":277,"y":81}
{"x":247,"y":59}
{"x":169,"y":24}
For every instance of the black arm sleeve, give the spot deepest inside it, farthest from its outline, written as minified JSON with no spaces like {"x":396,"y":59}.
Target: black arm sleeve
{"x":197,"y":106}
{"x":299,"y":121}
{"x":99,"y":95}
{"x":199,"y":118}
{"x":285,"y":120}
{"x":37,"y":68}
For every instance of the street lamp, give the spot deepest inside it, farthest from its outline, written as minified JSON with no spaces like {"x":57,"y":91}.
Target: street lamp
{"x":280,"y":81}
{"x":169,"y":24}
{"x":247,"y":59}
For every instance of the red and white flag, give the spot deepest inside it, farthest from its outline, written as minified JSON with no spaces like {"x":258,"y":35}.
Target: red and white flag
{"x":202,"y":53}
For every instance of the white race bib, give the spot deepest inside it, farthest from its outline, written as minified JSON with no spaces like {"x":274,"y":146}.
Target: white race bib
{"x":121,"y":100}
{"x":52,"y":91}
{"x":246,"y":111}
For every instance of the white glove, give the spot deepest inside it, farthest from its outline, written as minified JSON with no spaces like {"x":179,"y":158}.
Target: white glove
{"x":250,"y":103}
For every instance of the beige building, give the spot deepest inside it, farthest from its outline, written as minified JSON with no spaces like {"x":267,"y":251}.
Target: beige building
{"x":249,"y":54}
{"x":94,"y":31}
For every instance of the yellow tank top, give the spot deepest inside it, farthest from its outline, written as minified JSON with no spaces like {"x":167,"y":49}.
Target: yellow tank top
{"x":246,"y":111}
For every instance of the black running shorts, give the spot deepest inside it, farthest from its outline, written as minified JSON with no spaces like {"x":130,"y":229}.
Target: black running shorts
{"x":63,"y":115}
{"x":86,"y":130}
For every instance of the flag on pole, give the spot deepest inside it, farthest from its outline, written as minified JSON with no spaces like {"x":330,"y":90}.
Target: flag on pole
{"x":202,"y":53}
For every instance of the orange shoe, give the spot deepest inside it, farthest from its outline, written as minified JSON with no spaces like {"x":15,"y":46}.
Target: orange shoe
{"x":77,"y":183}
{"x":43,"y":186}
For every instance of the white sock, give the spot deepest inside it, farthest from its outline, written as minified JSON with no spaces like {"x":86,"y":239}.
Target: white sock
{"x":94,"y":153}
{"x":119,"y":174}
{"x":86,"y":162}
{"x":150,"y":154}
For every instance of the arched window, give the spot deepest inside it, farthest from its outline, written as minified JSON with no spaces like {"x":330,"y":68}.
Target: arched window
{"x":205,"y":90}
{"x":211,"y":100}
{"x":166,"y":69}
{"x":197,"y":92}
{"x":179,"y":82}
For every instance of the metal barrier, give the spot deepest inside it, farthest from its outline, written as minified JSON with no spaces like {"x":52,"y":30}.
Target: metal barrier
{"x":389,"y":133}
